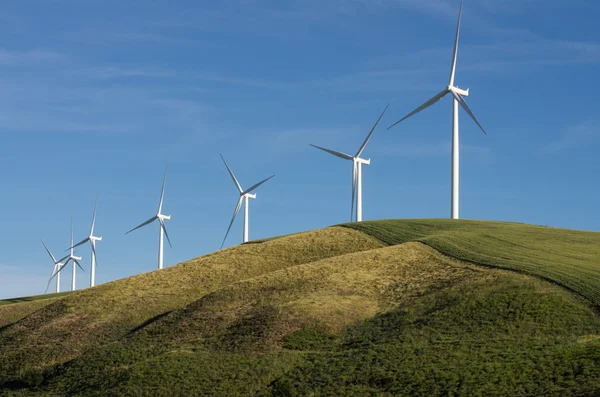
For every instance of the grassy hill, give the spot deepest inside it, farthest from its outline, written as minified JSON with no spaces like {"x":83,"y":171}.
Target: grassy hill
{"x":377,"y":308}
{"x":13,"y":310}
{"x":566,"y":257}
{"x":34,"y":298}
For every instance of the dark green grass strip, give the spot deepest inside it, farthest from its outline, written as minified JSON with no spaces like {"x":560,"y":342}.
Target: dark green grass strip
{"x":33,"y":298}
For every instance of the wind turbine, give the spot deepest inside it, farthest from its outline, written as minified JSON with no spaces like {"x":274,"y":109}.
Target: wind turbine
{"x":458,"y":99}
{"x":161,"y":219}
{"x":70,"y":258}
{"x":244,"y":195}
{"x":92,"y":239}
{"x":357,"y":163}
{"x":57,"y":266}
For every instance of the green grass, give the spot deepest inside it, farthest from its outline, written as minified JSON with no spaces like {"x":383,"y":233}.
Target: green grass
{"x":501,"y":337}
{"x":567,"y":257}
{"x":91,"y":318}
{"x":33,"y":298}
{"x":331,"y":312}
{"x":13,"y":310}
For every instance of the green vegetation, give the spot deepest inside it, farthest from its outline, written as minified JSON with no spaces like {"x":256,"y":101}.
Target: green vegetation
{"x":91,"y":318}
{"x":330,"y":312}
{"x":33,"y":298}
{"x":503,"y":336}
{"x":567,"y":257}
{"x":13,"y":310}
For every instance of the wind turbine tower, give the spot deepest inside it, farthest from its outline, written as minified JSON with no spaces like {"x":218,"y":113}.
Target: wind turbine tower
{"x":55,"y":270}
{"x":357,"y":163}
{"x":70,"y":258}
{"x":245,"y":195}
{"x":162,"y":229}
{"x":459,"y":96}
{"x":92,"y":239}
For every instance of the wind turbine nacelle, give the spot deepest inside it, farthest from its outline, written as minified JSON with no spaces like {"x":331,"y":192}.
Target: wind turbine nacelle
{"x":165,"y":217}
{"x":250,"y":196}
{"x":363,"y":161}
{"x":78,"y":258}
{"x":96,"y":238}
{"x":460,"y":91}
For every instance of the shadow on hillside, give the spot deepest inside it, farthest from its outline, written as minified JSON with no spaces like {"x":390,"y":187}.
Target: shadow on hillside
{"x":149,"y":321}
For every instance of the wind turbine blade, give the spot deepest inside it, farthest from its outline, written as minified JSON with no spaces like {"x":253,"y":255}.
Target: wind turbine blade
{"x":424,"y":106}
{"x":455,"y":53}
{"x":370,"y":133}
{"x":232,"y":175}
{"x":77,"y":262}
{"x":162,"y":192}
{"x":143,"y":224}
{"x":338,"y":154}
{"x":48,"y":251}
{"x":85,"y":240}
{"x":94,"y":252}
{"x":162,"y":224}
{"x":47,"y":286}
{"x":59,"y":270}
{"x":464,"y":105}
{"x":94,"y":217}
{"x":50,"y":280}
{"x":237,"y":209}
{"x":257,"y":185}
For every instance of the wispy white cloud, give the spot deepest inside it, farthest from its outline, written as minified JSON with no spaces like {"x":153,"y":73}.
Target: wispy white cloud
{"x":575,"y":137}
{"x":28,"y":57}
{"x":161,"y":38}
{"x":498,"y":57}
{"x":110,"y":72}
{"x":443,"y":8}
{"x":184,"y":106}
{"x":379,"y":80}
{"x":184,"y":77}
{"x":519,"y":6}
{"x":298,"y":140}
{"x":244,"y":81}
{"x":435,"y":149}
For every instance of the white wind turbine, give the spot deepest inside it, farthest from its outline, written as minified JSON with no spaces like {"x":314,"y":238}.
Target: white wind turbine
{"x":57,"y":266}
{"x":161,"y":219}
{"x":357,"y":163}
{"x":244,"y":195}
{"x":458,"y":99}
{"x":70,"y":258}
{"x":92,"y":239}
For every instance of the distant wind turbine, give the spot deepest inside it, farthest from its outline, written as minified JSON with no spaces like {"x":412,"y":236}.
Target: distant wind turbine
{"x":357,"y":163}
{"x":92,"y":239}
{"x":458,"y":99}
{"x":57,"y":266}
{"x":70,"y":258}
{"x":244,"y":195}
{"x":161,"y":219}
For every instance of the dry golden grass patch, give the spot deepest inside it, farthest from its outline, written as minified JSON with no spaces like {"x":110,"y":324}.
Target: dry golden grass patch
{"x":333,"y":293}
{"x":89,"y":318}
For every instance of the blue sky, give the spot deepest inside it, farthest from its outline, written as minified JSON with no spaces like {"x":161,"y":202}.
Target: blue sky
{"x":97,"y":96}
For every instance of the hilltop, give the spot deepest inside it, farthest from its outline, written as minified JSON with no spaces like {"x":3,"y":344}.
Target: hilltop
{"x":395,"y":307}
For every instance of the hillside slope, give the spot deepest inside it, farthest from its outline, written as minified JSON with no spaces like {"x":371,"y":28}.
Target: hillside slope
{"x":330,"y":312}
{"x":89,"y":318}
{"x":567,"y":257}
{"x":13,"y":310}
